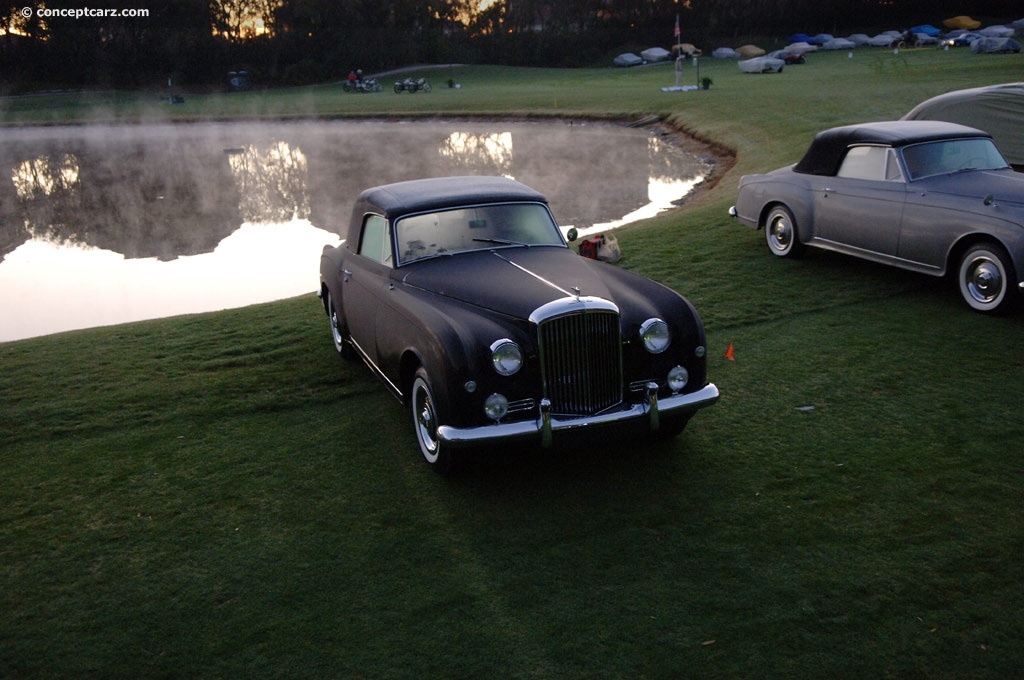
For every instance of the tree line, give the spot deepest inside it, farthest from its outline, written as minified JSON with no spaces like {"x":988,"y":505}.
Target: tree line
{"x":130,"y":43}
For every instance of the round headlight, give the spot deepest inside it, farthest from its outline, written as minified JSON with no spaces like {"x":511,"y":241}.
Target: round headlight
{"x":496,"y":406}
{"x":507,"y":356}
{"x":654,"y":333}
{"x":677,"y":378}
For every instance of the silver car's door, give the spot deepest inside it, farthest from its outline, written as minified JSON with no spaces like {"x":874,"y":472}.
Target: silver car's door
{"x":861,"y":208}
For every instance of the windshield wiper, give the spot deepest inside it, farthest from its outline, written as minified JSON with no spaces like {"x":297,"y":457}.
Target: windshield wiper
{"x":502,"y":241}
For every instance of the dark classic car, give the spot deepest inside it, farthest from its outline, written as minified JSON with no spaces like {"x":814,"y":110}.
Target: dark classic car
{"x":463,"y":296}
{"x":932,"y":197}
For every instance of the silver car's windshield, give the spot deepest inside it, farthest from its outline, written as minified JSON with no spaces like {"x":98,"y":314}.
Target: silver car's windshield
{"x":475,"y":228}
{"x":952,"y":155}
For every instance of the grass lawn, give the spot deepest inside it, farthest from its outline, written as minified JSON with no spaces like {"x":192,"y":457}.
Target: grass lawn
{"x":219,"y":495}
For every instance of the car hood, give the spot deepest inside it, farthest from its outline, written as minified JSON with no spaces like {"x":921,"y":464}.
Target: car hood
{"x":1005,"y":186}
{"x":513,"y":281}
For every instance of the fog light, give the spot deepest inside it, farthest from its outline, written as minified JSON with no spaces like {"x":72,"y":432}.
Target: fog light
{"x":677,"y":378}
{"x":496,"y":406}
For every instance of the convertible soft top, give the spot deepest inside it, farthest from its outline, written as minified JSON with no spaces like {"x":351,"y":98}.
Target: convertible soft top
{"x":829,"y":147}
{"x":441,"y":192}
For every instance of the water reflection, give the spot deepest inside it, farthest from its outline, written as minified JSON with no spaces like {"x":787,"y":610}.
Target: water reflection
{"x":102,"y":225}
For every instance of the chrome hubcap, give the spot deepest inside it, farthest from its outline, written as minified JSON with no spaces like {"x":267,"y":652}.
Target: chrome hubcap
{"x":780,"y":234}
{"x":425,"y":425}
{"x":984,"y":281}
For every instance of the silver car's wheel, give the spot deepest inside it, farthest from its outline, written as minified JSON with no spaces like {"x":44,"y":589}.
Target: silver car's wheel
{"x":341,"y":345}
{"x":780,"y":233}
{"x":985,"y":277}
{"x":425,"y":421}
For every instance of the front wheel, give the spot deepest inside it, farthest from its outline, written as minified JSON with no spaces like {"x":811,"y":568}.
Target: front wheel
{"x":780,"y":233}
{"x":986,"y":277}
{"x":398,"y":88}
{"x":425,"y":87}
{"x":425,"y":421}
{"x":337,"y":323}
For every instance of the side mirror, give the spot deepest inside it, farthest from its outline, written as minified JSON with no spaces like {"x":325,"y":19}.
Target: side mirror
{"x":990,"y":199}
{"x":572,"y":234}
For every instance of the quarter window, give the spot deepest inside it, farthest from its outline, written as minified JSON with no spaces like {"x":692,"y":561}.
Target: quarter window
{"x":870,"y":162}
{"x":375,"y":242}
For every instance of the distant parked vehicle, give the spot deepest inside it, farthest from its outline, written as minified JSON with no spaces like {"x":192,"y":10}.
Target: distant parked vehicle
{"x":412,"y":85}
{"x":364,"y":85}
{"x":933,"y":197}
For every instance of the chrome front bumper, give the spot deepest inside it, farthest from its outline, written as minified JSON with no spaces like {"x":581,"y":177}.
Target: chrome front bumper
{"x":541,"y":429}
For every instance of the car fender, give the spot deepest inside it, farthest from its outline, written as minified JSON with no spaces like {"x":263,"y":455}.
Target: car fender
{"x":758,"y":194}
{"x":449,"y":340}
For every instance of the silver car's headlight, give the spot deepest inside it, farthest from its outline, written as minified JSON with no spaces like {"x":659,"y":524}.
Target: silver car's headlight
{"x":506,"y":356}
{"x":655,"y":335}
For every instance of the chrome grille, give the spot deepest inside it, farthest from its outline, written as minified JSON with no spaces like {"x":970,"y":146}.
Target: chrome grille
{"x":581,"y":361}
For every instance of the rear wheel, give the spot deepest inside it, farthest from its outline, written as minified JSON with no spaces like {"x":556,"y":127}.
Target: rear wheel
{"x":985,"y":278}
{"x":425,"y":420}
{"x":780,"y":233}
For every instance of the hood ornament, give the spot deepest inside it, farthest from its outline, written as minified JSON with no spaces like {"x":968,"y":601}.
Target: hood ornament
{"x":576,"y":290}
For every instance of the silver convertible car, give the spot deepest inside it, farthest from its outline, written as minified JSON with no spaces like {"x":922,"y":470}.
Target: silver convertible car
{"x":928,"y":196}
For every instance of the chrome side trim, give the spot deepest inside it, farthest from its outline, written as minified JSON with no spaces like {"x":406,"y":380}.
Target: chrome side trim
{"x":652,"y":409}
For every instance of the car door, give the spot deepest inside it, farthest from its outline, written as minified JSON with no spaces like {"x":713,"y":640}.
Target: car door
{"x":366,"y":282}
{"x":861,"y":208}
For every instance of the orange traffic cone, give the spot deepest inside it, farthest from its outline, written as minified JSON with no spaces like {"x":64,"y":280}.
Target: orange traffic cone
{"x":730,"y":353}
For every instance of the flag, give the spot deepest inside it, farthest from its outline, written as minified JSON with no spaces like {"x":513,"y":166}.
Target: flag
{"x":676,"y":32}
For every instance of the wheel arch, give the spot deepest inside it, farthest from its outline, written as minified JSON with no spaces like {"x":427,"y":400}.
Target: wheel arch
{"x":965,"y":242}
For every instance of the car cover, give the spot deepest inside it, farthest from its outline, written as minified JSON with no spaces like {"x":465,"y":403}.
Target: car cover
{"x":994,"y":45}
{"x":655,"y":54}
{"x":962,"y":22}
{"x":996,"y":109}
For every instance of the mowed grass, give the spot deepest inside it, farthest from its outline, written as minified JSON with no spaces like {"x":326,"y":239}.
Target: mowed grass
{"x":219,"y":495}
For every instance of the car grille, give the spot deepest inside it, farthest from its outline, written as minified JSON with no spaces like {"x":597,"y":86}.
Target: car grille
{"x":581,"y":361}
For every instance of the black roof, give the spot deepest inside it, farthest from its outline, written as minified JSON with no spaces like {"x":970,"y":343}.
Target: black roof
{"x":439,"y":193}
{"x":829,"y":146}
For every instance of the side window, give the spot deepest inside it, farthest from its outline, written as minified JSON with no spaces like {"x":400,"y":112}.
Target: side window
{"x":375,"y":242}
{"x":865,"y":162}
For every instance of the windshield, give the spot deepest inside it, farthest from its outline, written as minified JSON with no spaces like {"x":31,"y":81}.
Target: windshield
{"x":952,"y":155}
{"x":475,"y":228}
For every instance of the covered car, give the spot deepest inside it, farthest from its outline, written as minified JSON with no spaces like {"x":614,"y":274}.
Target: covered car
{"x":995,"y":46}
{"x":996,"y":109}
{"x":997,"y":32}
{"x":888,"y":39}
{"x":928,"y":196}
{"x":725,"y":53}
{"x":927,"y":29}
{"x":628,"y":59}
{"x":839,"y":44}
{"x":750,"y":51}
{"x":762,"y":65}
{"x":962,"y":21}
{"x":655,"y":54}
{"x":463,"y":296}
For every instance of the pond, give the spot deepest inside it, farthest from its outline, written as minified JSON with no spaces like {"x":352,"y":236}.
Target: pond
{"x":110,"y":224}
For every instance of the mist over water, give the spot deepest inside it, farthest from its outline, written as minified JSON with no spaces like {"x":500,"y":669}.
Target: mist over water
{"x":108,"y":224}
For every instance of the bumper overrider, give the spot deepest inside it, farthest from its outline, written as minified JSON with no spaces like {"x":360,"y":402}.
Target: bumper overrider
{"x":651,"y":409}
